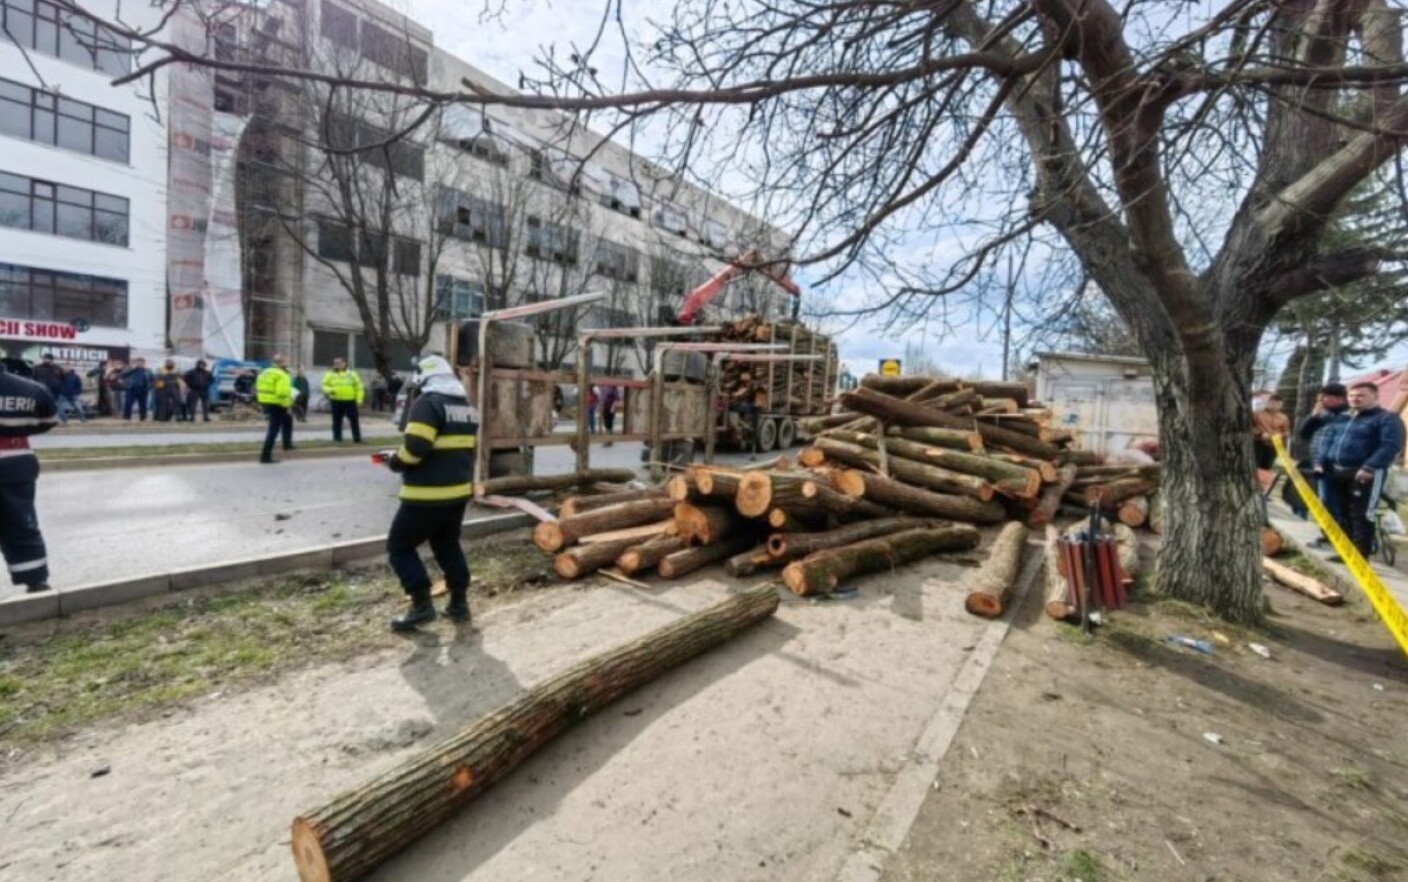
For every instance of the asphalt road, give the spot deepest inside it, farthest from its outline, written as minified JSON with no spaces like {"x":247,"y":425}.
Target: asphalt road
{"x":115,"y":524}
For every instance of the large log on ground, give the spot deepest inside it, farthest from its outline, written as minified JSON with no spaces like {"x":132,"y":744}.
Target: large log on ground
{"x":552,"y":537}
{"x":1051,"y":497}
{"x":582,"y":560}
{"x":917,"y":500}
{"x":1059,"y":603}
{"x":639,"y":534}
{"x":1306,"y":585}
{"x":781,"y":520}
{"x":822,"y":572}
{"x":793,"y":546}
{"x":1109,"y":496}
{"x":758,"y":492}
{"x":899,"y":412}
{"x":954,"y":439}
{"x":1271,"y":542}
{"x":575,"y":505}
{"x":749,"y":562}
{"x":524,"y":483}
{"x":825,"y":498}
{"x":1013,"y":480}
{"x":908,"y":470}
{"x":715,"y":483}
{"x":672,"y":566}
{"x":703,"y":524}
{"x":993,"y":583}
{"x":642,"y":557}
{"x":358,"y":830}
{"x":1047,"y":470}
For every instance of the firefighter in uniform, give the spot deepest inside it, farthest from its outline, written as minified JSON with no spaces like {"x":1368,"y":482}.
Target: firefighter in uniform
{"x":274,"y":392}
{"x":436,"y":463}
{"x":26,"y":408}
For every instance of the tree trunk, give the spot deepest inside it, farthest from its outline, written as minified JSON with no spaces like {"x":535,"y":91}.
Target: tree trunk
{"x":687,"y":561}
{"x":574,"y":563}
{"x":822,"y":572}
{"x":1051,"y":498}
{"x":642,"y":557}
{"x":992,"y":585}
{"x":552,"y":537}
{"x":358,"y":830}
{"x":760,"y":491}
{"x":792,"y":546}
{"x":703,"y":524}
{"x":575,"y":505}
{"x":909,"y":471}
{"x":917,"y":500}
{"x":524,"y":483}
{"x":749,"y":562}
{"x":1059,"y":603}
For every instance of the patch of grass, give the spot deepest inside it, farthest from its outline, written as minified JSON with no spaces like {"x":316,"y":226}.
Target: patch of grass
{"x":1358,"y":863}
{"x":1073,"y":635}
{"x":1353,"y":777}
{"x":143,"y":450}
{"x":1079,"y":865}
{"x":1014,"y":870}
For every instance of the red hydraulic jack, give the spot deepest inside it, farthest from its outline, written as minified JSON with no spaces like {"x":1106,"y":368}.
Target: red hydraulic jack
{"x":1092,"y":568}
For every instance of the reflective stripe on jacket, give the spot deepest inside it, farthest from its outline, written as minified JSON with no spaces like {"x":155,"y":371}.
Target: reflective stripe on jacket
{"x":342,"y":386}
{"x":274,"y":386}
{"x":437,"y":452}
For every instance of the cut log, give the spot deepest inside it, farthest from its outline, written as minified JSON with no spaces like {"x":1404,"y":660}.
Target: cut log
{"x":811,"y":458}
{"x":793,"y":546}
{"x":917,"y":500}
{"x":639,"y":558}
{"x":825,"y":498}
{"x":1082,"y":457}
{"x":1156,"y":513}
{"x":1134,"y":511}
{"x":1119,"y":470}
{"x":1056,"y":436}
{"x":897,"y":411}
{"x":1059,"y":603}
{"x":817,"y":425}
{"x":954,"y":400}
{"x":639,"y":534}
{"x":1017,"y":391}
{"x":1109,"y":496}
{"x":1012,"y":480}
{"x":754,"y":560}
{"x":1051,"y":498}
{"x":903,"y":385}
{"x":997,"y":436}
{"x":680,"y":488}
{"x":1272,"y":542}
{"x":511,"y":484}
{"x":553,"y":537}
{"x":908,"y":470}
{"x":575,"y":505}
{"x":780,"y":464}
{"x":357,"y":831}
{"x":822,"y":572}
{"x":715,"y":483}
{"x":1306,"y":585}
{"x":1000,"y":407}
{"x":954,"y":439}
{"x":672,"y":566}
{"x":759,"y":492}
{"x":703,"y":524}
{"x":582,"y":560}
{"x":1047,"y":470}
{"x":781,"y":520}
{"x":992,"y":585}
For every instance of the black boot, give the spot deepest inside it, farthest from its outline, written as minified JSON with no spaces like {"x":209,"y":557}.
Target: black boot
{"x":457,"y":609}
{"x":422,"y":612}
{"x":44,"y":586}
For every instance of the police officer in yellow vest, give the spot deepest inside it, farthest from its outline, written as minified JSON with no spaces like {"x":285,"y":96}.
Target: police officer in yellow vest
{"x":436,"y":463}
{"x":274,"y":392}
{"x":343,"y":389}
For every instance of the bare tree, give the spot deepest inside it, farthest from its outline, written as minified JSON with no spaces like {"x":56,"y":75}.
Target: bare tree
{"x":1190,"y":163}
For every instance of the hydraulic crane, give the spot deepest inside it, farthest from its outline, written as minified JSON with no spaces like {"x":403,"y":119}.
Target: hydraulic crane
{"x":750,"y":261}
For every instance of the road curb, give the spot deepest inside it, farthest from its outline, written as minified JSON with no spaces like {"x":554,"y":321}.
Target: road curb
{"x":25,"y":608}
{"x":96,"y":463}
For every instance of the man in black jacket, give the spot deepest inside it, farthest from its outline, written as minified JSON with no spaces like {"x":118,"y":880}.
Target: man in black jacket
{"x":26,"y":408}
{"x":198,"y":381}
{"x":436,"y":463}
{"x":1354,"y":460}
{"x":1334,"y":401}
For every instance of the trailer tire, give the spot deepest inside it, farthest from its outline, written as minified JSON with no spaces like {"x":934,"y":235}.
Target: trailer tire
{"x":767,"y":435}
{"x":786,"y":433}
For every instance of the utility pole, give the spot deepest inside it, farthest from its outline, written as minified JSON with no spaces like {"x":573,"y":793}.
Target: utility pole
{"x":1007,"y":320}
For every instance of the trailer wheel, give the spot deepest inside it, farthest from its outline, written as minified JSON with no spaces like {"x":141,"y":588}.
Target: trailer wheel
{"x":767,"y":435}
{"x":786,"y":433}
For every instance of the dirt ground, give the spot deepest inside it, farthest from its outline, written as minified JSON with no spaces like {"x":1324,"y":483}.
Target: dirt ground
{"x":1309,"y":781}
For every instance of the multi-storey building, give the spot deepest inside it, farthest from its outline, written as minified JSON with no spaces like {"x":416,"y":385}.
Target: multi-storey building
{"x":83,"y":180}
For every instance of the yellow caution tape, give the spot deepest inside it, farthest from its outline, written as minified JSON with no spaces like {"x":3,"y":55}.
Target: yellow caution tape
{"x":1385,"y":604}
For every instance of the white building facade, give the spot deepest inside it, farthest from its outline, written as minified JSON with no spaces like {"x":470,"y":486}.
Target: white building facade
{"x":83,"y":181}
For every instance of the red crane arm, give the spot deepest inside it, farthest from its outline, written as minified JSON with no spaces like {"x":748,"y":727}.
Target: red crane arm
{"x":696,"y":300}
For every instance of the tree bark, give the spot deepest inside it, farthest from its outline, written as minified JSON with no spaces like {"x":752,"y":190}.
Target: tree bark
{"x":1306,"y":585}
{"x":760,"y":491}
{"x":954,"y":439}
{"x":1081,"y":457}
{"x":1013,"y":480}
{"x":643,"y":533}
{"x":902,"y":386}
{"x":715,"y":483}
{"x":1016,"y":391}
{"x":792,"y":546}
{"x":524,"y":483}
{"x":357,"y":831}
{"x":821,"y":572}
{"x":1051,"y":498}
{"x":909,"y":471}
{"x":834,"y":502}
{"x":642,"y":557}
{"x":749,"y":562}
{"x":1134,"y":511}
{"x":783,"y":521}
{"x":552,"y":537}
{"x":992,"y":585}
{"x":575,"y":505}
{"x":690,"y":559}
{"x":1108,"y":496}
{"x":917,"y":500}
{"x":1059,"y":603}
{"x":582,"y":560}
{"x":703,"y":524}
{"x":817,"y":425}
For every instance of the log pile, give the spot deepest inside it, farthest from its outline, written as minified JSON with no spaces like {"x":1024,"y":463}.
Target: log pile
{"x":778,"y":387}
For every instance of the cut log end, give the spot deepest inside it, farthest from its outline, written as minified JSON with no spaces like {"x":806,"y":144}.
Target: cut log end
{"x":549,"y":537}
{"x":983,"y":605}
{"x":308,"y":855}
{"x":677,"y":488}
{"x":811,"y":458}
{"x":850,"y":482}
{"x":567,"y":566}
{"x":754,"y":494}
{"x":794,"y":576}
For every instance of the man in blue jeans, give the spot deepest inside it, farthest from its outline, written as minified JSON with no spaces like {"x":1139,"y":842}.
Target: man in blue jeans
{"x":1334,"y":402}
{"x":137,"y":380}
{"x":1354,"y":460}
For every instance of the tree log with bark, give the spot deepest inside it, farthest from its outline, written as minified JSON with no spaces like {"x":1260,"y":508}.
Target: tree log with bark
{"x":642,"y":557}
{"x":575,"y":505}
{"x":917,"y":500}
{"x":909,"y":471}
{"x":1051,"y":498}
{"x":672,"y":566}
{"x":822,"y":572}
{"x":992,"y":585}
{"x":792,"y":546}
{"x":552,"y":537}
{"x":357,"y":831}
{"x":704,"y":524}
{"x":526,"y":483}
{"x":1060,"y":605}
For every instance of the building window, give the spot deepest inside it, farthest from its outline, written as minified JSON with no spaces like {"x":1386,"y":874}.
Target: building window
{"x":339,"y":26}
{"x":550,"y":241}
{"x":41,"y":26}
{"x":45,"y":207}
{"x":39,"y":116}
{"x":470,"y":218}
{"x":353,"y":347}
{"x":617,"y":261}
{"x":395,"y":52}
{"x":62,"y":297}
{"x":335,"y":242}
{"x":406,"y":257}
{"x":457,"y":299}
{"x":374,"y":145}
